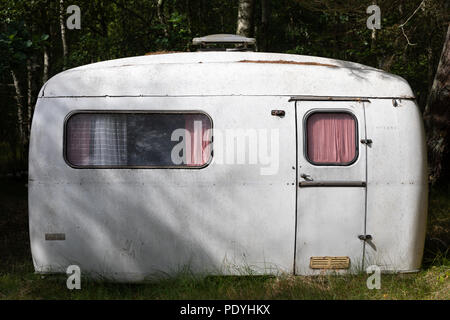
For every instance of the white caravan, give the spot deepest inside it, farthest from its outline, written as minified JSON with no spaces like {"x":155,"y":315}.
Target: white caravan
{"x":337,"y":180}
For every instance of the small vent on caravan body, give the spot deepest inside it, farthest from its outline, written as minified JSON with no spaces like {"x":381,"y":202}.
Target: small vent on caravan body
{"x":224,"y":42}
{"x":329,"y":263}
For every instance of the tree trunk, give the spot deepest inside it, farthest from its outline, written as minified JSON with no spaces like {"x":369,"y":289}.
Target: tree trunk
{"x":189,"y":15}
{"x":29,"y":96}
{"x":264,"y":24}
{"x":245,"y":18}
{"x":161,"y":17}
{"x":437,"y":116}
{"x":45,"y":67}
{"x":374,"y":34}
{"x":63,"y":33}
{"x":18,"y":98}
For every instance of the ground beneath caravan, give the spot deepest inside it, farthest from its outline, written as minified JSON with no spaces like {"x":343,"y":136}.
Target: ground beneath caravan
{"x":17,"y":280}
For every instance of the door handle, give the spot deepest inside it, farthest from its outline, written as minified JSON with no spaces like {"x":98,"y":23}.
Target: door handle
{"x":366,"y":237}
{"x":307,"y":177}
{"x":332,"y":183}
{"x":278,"y":113}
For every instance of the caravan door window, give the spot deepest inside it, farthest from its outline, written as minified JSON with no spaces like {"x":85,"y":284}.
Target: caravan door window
{"x":127,"y":140}
{"x":331,"y":138}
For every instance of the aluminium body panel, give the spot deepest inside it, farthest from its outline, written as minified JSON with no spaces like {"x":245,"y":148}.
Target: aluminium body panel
{"x":397,"y":185}
{"x":129,"y":224}
{"x":222,"y":74}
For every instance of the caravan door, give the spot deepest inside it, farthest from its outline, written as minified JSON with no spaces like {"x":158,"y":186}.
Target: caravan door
{"x":331,"y":194}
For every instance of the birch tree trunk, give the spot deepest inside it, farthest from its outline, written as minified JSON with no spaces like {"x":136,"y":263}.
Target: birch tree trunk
{"x":161,"y":17}
{"x":437,"y":116}
{"x":245,"y":18}
{"x":18,"y":98}
{"x":45,"y":66}
{"x":29,"y":96}
{"x":63,"y":33}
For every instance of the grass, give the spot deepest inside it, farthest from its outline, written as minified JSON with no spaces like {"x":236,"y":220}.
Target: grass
{"x":18,"y":281}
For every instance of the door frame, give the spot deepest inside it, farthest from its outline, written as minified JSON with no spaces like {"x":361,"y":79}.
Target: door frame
{"x":302,"y":98}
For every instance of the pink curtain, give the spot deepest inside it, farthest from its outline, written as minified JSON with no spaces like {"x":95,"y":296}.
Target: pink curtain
{"x":331,"y":138}
{"x":78,"y":139}
{"x":198,"y":148}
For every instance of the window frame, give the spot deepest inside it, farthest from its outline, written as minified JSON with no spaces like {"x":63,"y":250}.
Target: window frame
{"x":305,"y":137}
{"x":92,"y":111}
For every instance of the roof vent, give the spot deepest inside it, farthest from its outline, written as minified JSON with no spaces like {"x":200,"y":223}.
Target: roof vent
{"x":222,"y":42}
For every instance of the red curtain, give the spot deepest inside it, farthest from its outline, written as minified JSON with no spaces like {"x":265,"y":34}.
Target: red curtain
{"x":331,"y":138}
{"x":78,"y":139}
{"x":198,"y":148}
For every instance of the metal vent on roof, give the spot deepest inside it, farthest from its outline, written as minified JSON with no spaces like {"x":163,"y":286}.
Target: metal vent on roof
{"x":218,"y":42}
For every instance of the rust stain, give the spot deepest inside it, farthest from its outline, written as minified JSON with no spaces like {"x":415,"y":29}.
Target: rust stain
{"x":160,"y":52}
{"x":290,"y":62}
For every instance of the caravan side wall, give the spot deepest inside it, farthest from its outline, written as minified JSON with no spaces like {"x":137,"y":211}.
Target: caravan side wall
{"x":130,"y":223}
{"x":397,"y":191}
{"x":127,"y":224}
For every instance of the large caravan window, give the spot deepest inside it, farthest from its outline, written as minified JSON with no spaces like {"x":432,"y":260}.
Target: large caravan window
{"x":331,"y":138}
{"x":123,"y":140}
